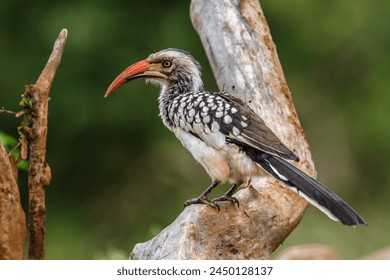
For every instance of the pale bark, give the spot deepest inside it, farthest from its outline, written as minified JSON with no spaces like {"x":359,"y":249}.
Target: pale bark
{"x":243,"y":57}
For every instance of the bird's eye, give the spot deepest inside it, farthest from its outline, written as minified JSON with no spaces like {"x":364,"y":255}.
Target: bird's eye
{"x":166,"y":63}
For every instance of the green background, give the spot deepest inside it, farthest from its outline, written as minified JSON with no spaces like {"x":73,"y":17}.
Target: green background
{"x":119,"y":176}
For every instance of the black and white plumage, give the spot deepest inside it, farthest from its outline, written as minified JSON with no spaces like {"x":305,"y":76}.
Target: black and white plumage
{"x":224,"y":135}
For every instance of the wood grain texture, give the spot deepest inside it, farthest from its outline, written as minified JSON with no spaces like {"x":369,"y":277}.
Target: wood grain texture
{"x":12,"y":217}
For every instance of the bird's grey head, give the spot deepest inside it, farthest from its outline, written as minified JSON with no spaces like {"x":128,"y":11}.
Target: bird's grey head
{"x":179,"y":70}
{"x":176,"y":71}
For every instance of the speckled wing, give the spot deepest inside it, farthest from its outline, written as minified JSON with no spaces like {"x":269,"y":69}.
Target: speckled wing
{"x":247,"y":128}
{"x":199,"y":114}
{"x":217,"y":118}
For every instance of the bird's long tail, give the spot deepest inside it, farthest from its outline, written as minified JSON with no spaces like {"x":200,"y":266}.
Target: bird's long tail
{"x":313,"y":191}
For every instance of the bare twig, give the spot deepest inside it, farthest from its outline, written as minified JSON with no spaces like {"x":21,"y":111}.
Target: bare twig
{"x":2,"y":110}
{"x":14,"y":148}
{"x":39,"y":171}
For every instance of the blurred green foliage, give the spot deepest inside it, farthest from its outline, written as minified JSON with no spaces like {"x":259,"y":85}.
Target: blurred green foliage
{"x":119,"y":176}
{"x":10,"y":144}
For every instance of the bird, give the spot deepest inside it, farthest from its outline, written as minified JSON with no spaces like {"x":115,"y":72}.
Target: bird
{"x":225,"y":135}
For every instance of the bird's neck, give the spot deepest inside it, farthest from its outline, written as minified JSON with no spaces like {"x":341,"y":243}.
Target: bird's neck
{"x":174,"y":90}
{"x":186,"y":82}
{"x":182,"y":85}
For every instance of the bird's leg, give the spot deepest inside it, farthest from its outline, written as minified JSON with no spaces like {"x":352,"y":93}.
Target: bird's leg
{"x":202,"y":199}
{"x":228,"y":196}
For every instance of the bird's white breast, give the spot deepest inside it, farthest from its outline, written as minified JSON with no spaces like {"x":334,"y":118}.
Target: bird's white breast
{"x":225,"y":163}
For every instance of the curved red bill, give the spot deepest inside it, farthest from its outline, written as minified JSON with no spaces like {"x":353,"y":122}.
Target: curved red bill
{"x":127,"y":74}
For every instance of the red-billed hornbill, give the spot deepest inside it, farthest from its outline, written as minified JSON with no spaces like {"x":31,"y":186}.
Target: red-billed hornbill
{"x":224,"y":135}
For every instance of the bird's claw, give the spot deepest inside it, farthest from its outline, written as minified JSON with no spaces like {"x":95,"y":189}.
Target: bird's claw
{"x":232,"y":199}
{"x":202,"y":201}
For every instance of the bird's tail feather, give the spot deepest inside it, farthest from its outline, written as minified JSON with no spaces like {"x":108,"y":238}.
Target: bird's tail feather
{"x":313,"y":191}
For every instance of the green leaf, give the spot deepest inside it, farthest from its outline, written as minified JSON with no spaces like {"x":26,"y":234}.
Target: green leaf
{"x":22,"y":165}
{"x":7,"y":140}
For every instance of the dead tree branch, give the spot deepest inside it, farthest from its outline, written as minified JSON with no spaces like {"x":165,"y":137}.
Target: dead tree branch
{"x":12,"y":217}
{"x":36,"y":132}
{"x":243,"y":57}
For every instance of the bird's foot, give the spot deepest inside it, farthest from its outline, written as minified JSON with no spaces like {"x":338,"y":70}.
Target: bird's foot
{"x":200,"y":200}
{"x":232,"y":199}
